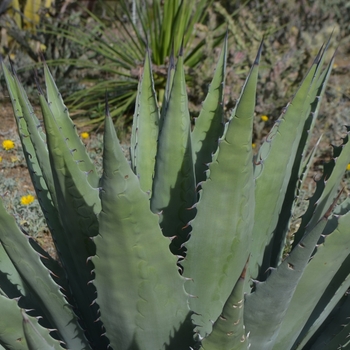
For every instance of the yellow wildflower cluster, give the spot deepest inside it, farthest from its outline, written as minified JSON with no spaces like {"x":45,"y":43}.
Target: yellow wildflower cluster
{"x":84,"y":135}
{"x":264,"y":118}
{"x":8,"y":144}
{"x":26,"y":200}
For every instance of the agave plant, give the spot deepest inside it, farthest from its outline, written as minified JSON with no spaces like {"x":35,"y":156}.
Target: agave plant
{"x":184,"y":248}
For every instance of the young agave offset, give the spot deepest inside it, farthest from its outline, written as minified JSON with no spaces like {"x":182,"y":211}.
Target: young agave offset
{"x":221,"y":281}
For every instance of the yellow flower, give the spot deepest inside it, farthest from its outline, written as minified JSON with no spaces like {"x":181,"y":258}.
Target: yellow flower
{"x":8,"y":144}
{"x":14,"y":159}
{"x":26,"y":200}
{"x":0,"y":159}
{"x":84,"y":135}
{"x":335,"y":65}
{"x":253,"y":145}
{"x":264,"y":118}
{"x":348,"y":167}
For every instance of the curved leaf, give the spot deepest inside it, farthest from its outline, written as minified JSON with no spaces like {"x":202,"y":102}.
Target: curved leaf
{"x":173,"y":190}
{"x":221,"y":231}
{"x":139,"y":289}
{"x":145,"y":130}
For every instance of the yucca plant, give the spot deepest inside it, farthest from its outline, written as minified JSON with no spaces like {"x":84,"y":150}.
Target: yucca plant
{"x":114,"y":49}
{"x":186,"y":247}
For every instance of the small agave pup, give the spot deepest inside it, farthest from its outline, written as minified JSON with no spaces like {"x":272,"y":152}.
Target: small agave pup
{"x":222,"y":281}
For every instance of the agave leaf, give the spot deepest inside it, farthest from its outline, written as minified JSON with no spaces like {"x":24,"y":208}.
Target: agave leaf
{"x":168,"y":87}
{"x":321,"y":271}
{"x":37,"y":337}
{"x":15,"y":89}
{"x":306,"y":217}
{"x":291,"y":194}
{"x":335,"y":335}
{"x":11,"y":332}
{"x":79,"y":205}
{"x":173,"y":190}
{"x":34,"y":143}
{"x":44,"y":198}
{"x":60,"y":112}
{"x":266,"y":307}
{"x":76,"y":197}
{"x":305,"y":168}
{"x":332,"y":325}
{"x":341,"y":159}
{"x":11,"y":281}
{"x":145,"y":129}
{"x":306,"y":165}
{"x":35,"y":150}
{"x":136,"y":275}
{"x":14,"y":286}
{"x":37,"y":158}
{"x":226,"y":201}
{"x":275,"y":161}
{"x":30,"y":267}
{"x":209,"y":124}
{"x":315,"y":107}
{"x":228,"y":330}
{"x":327,"y":186}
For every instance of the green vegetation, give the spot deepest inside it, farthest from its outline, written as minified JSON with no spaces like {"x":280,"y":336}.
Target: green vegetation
{"x":200,"y":237}
{"x":115,"y":47}
{"x":186,"y":247}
